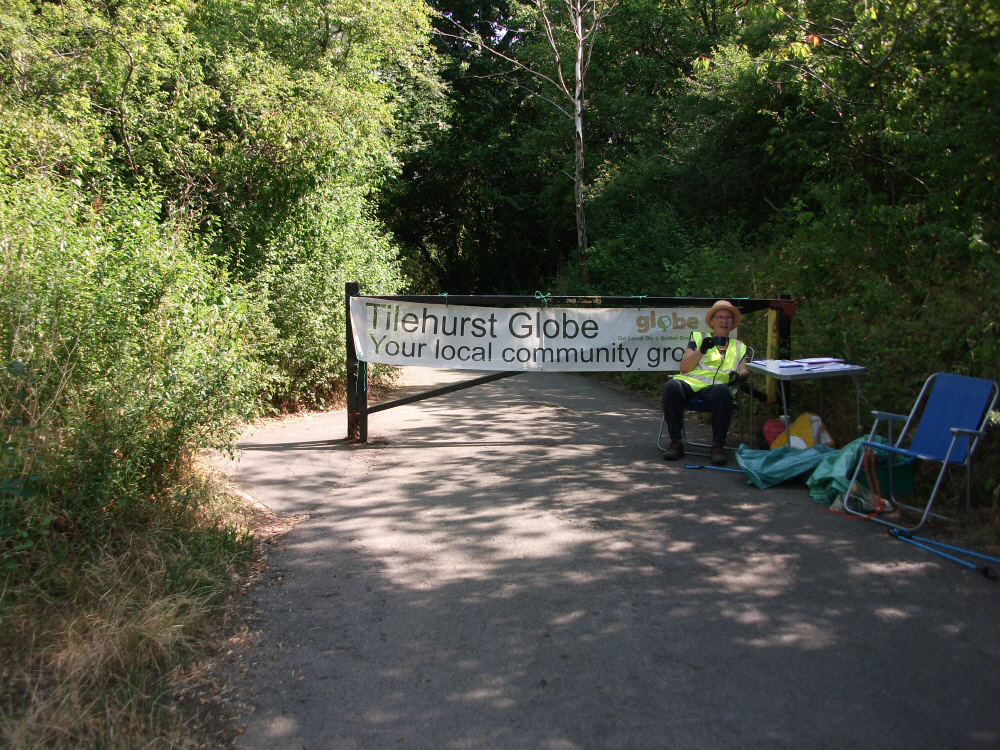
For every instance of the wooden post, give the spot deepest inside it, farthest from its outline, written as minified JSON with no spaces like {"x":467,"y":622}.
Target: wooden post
{"x":770,"y":384}
{"x":785,"y":327}
{"x":357,"y":377}
{"x":779,"y":340}
{"x":363,"y":402}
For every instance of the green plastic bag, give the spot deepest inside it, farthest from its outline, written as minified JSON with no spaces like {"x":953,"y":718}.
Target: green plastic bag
{"x":829,"y":480}
{"x":768,"y":468}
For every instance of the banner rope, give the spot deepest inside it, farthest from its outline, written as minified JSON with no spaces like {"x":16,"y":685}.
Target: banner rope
{"x":543,"y":298}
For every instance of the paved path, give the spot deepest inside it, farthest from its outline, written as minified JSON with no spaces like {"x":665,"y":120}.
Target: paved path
{"x":514,"y":566}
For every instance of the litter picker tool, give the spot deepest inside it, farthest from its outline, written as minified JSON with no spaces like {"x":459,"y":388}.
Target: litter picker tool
{"x":713,"y":468}
{"x":904,"y":536}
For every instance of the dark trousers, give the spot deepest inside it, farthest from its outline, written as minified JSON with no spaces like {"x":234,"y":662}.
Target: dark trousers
{"x":718,"y":398}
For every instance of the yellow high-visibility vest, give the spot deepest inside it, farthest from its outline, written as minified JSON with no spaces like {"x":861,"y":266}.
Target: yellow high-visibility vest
{"x":714,"y":367}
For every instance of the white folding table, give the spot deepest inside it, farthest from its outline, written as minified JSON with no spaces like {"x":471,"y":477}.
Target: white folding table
{"x":770,"y":368}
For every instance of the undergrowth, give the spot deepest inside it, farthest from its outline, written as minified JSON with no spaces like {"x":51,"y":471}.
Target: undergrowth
{"x":91,"y":626}
{"x":124,"y":353}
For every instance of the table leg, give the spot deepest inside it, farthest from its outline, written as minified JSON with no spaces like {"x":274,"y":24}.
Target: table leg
{"x":785,"y":416}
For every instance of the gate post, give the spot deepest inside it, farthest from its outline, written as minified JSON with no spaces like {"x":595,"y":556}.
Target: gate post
{"x":785,"y":326}
{"x":779,"y":340}
{"x":357,"y":376}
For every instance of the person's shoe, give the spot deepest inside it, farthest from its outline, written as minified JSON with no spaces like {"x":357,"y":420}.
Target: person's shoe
{"x":718,"y":456}
{"x":674,"y":451}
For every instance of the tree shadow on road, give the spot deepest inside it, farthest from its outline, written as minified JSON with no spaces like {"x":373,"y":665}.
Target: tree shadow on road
{"x":515,"y":566}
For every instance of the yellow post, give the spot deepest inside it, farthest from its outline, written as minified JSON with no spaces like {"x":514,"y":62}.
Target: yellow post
{"x":772,"y":352}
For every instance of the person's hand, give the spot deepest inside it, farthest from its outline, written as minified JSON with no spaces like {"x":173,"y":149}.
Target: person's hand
{"x":706,"y":343}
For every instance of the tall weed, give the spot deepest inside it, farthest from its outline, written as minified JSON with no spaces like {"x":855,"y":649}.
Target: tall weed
{"x":122,"y":353}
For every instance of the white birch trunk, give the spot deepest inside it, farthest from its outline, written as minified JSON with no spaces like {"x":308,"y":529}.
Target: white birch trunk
{"x":578,"y":92}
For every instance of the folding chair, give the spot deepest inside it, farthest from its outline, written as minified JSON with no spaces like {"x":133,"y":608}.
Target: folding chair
{"x":948,"y":425}
{"x":697,"y":404}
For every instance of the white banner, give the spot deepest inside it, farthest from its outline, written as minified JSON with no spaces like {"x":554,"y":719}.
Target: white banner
{"x":494,"y":338}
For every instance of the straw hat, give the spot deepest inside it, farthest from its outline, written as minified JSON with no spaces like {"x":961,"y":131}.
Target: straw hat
{"x":723,"y":305}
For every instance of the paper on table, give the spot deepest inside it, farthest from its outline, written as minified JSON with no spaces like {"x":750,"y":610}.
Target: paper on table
{"x":789,"y":367}
{"x":830,"y":367}
{"x":820,"y":360}
{"x":781,"y":364}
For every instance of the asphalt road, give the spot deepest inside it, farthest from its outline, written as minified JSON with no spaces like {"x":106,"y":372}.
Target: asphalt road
{"x":514,"y":566}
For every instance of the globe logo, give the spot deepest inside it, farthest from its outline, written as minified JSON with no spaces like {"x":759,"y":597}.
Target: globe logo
{"x":646,"y":323}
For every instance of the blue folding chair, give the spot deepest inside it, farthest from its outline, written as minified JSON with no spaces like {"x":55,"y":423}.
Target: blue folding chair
{"x":948,"y":425}
{"x":697,"y":404}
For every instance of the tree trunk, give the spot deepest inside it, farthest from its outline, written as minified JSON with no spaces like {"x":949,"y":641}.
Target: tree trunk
{"x":584,"y":38}
{"x":581,"y":217}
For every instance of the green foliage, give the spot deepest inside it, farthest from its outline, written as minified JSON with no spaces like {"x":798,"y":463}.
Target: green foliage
{"x":125,"y":353}
{"x":896,"y":149}
{"x":638,"y":232}
{"x":488,"y":205}
{"x":325,"y":243}
{"x":184,"y":190}
{"x":246,"y":117}
{"x":485,"y":206}
{"x":308,"y":101}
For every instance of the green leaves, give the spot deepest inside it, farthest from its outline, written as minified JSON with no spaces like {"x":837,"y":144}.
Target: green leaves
{"x":171,"y":128}
{"x":799,"y":50}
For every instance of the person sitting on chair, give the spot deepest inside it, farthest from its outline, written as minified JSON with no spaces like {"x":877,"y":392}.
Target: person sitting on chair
{"x":707,"y":368}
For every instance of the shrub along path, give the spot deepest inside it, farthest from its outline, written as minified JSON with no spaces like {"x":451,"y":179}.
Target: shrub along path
{"x":514,"y":566}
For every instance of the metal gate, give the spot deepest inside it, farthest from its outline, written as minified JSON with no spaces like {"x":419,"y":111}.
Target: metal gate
{"x":780,"y":313}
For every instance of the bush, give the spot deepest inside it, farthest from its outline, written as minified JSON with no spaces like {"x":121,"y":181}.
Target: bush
{"x":123,"y":353}
{"x":328,"y":241}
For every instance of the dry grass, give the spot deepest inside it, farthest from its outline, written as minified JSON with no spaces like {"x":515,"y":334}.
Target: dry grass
{"x":93,"y":638}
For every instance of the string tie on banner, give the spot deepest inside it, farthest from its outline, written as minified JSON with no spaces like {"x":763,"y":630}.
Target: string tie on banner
{"x":445,"y":295}
{"x":639,"y":297}
{"x":543,"y":298}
